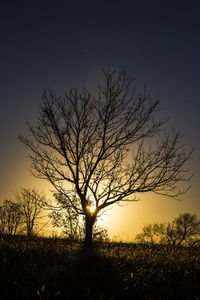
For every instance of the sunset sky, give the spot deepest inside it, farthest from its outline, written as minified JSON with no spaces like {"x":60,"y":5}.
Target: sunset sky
{"x":64,"y":44}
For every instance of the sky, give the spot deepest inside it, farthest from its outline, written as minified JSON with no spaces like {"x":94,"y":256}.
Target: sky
{"x":64,"y":44}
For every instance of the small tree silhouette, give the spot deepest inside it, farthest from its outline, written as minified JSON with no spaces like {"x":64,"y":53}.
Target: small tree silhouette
{"x":11,"y":217}
{"x":108,"y":147}
{"x":31,"y":203}
{"x":183,"y":229}
{"x":151,"y":233}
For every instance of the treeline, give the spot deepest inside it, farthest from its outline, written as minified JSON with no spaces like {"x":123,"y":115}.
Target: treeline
{"x":183,"y":230}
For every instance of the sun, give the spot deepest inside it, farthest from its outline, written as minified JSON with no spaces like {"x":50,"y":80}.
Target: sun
{"x":91,"y":208}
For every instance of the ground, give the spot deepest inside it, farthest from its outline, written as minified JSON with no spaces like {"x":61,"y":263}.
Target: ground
{"x":41,"y":268}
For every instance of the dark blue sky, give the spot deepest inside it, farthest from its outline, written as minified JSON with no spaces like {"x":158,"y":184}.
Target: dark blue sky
{"x":63,"y":44}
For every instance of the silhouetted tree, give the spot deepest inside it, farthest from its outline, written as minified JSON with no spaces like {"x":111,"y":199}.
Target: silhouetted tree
{"x":183,"y":229}
{"x":151,"y":233}
{"x":10,"y":217}
{"x":31,"y":203}
{"x":108,"y":147}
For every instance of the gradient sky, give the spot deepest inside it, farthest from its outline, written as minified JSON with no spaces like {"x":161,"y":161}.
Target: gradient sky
{"x":63,"y":44}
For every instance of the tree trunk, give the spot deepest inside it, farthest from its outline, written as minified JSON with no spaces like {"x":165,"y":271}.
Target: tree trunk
{"x":89,"y":223}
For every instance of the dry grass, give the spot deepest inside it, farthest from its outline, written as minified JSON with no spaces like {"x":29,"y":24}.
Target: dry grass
{"x":58,"y":269}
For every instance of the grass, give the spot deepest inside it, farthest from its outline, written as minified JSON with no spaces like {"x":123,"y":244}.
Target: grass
{"x":41,"y":268}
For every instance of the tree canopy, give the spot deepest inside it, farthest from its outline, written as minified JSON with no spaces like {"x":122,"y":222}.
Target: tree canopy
{"x":105,"y":148}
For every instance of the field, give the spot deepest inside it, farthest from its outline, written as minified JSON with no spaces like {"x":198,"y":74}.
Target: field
{"x":47,"y":268}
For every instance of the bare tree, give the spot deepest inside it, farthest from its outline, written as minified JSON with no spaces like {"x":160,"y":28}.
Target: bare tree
{"x":31,"y":202}
{"x":108,"y":147}
{"x":10,"y":217}
{"x":185,"y":229}
{"x":151,"y":233}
